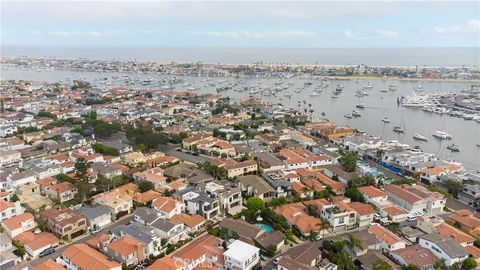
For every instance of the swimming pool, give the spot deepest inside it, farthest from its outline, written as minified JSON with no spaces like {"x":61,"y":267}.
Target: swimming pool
{"x":265,"y":227}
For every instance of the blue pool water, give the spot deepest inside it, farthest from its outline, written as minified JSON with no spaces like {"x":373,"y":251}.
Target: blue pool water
{"x":265,"y":227}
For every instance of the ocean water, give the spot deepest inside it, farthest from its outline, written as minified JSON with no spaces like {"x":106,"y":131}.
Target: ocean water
{"x":440,"y":57}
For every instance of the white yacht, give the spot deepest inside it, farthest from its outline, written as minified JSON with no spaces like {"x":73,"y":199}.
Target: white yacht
{"x":348,"y":115}
{"x":314,"y":94}
{"x":385,"y":119}
{"x":419,"y":137}
{"x":442,"y":135}
{"x":361,"y":106}
{"x":356,"y":113}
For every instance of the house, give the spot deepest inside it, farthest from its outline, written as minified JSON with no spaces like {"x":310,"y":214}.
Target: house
{"x":389,"y":240}
{"x":126,"y":250}
{"x":204,"y":251}
{"x":415,"y":255}
{"x":367,"y":261}
{"x":365,"y":213}
{"x":460,"y":237}
{"x":9,"y":209}
{"x":98,"y":216}
{"x":154,"y":176}
{"x":435,"y":200}
{"x":240,"y":255}
{"x":167,"y":207}
{"x":296,"y":217}
{"x":105,"y":169}
{"x":48,"y":265}
{"x":144,"y":234}
{"x":340,"y":216}
{"x":268,"y":162}
{"x":247,"y":232}
{"x":367,"y":240}
{"x":305,"y":256}
{"x":374,"y":195}
{"x":8,"y":157}
{"x":64,"y":223}
{"x":21,"y":178}
{"x":81,"y":256}
{"x":302,"y":139}
{"x":35,"y":243}
{"x":466,"y":221}
{"x":443,"y":248}
{"x":193,"y":223}
{"x":405,"y":199}
{"x":228,"y":194}
{"x":236,"y":169}
{"x":170,"y":230}
{"x":18,"y":224}
{"x":394,"y":213}
{"x":256,"y":186}
{"x":197,"y":202}
{"x":336,"y":172}
{"x":61,"y":192}
{"x":274,"y":238}
{"x":118,"y":200}
{"x":165,"y":263}
{"x":279,"y":182}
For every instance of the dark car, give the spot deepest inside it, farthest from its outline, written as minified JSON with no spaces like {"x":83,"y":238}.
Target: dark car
{"x":46,"y":252}
{"x":195,"y":153}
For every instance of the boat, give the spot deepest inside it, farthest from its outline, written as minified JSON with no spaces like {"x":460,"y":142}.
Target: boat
{"x":323,"y":113}
{"x":288,"y":95}
{"x":398,"y":129}
{"x":339,"y":88}
{"x":453,"y":147}
{"x":385,"y":119}
{"x":392,"y":88}
{"x":361,"y":106}
{"x":384,"y":91}
{"x":348,"y":115}
{"x":419,"y":137}
{"x":419,"y":88}
{"x":334,"y":96}
{"x":314,"y":94}
{"x":441,"y":135}
{"x":356,"y":113}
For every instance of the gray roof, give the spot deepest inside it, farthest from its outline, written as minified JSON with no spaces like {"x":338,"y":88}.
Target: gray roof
{"x":94,"y":212}
{"x":140,"y":232}
{"x":366,"y":238}
{"x":268,"y":158}
{"x":447,"y":244}
{"x":241,"y":227}
{"x":272,"y":238}
{"x":147,"y":214}
{"x":164,"y":225}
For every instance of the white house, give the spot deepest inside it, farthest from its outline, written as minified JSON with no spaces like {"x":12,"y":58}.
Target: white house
{"x":241,"y":255}
{"x":443,"y":247}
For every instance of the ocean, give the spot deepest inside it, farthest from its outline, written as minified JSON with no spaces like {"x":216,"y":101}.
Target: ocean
{"x":439,"y":57}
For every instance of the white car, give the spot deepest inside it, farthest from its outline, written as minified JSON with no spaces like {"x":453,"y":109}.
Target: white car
{"x":411,"y":218}
{"x":276,"y":260}
{"x":372,"y":224}
{"x":96,"y":230}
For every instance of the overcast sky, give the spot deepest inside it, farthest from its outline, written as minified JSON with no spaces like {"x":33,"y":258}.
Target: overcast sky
{"x":242,"y":24}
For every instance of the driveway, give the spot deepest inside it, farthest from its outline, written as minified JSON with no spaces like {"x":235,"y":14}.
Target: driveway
{"x":183,"y":155}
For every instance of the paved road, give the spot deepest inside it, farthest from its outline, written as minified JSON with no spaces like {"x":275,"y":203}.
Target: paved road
{"x":83,"y":239}
{"x":170,"y":150}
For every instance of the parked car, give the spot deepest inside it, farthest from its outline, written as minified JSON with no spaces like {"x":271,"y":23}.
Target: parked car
{"x":95,"y":231}
{"x":372,"y":224}
{"x":411,"y":218}
{"x":276,"y":260}
{"x":46,"y":252}
{"x":195,"y":153}
{"x":385,"y":223}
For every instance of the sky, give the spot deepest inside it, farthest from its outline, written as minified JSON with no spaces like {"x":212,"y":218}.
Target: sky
{"x":276,"y":24}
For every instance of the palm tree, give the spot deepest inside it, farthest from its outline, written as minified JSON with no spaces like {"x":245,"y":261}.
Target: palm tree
{"x":324,"y":225}
{"x":353,"y":243}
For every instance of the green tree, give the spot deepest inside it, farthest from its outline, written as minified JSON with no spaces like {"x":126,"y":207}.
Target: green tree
{"x":255,"y":204}
{"x":348,"y":160}
{"x":105,"y":149}
{"x":355,"y":195}
{"x":81,"y":168}
{"x":84,"y":188}
{"x":440,"y":265}
{"x":477,"y":242}
{"x":411,"y":267}
{"x":469,"y":264}
{"x":382,"y":264}
{"x":92,"y":115}
{"x":453,"y":186}
{"x":271,"y":250}
{"x":312,"y":210}
{"x":42,"y":225}
{"x":14,"y":198}
{"x":353,"y":243}
{"x":145,"y":186}
{"x":20,"y":248}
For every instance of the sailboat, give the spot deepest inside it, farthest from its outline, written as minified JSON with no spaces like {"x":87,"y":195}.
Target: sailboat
{"x":419,"y":137}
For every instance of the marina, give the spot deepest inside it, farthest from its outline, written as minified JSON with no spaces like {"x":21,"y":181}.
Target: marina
{"x":330,"y":103}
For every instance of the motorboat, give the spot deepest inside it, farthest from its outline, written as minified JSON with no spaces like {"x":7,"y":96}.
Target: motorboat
{"x":385,"y":119}
{"x":348,"y":115}
{"x":453,"y":147}
{"x":361,"y":106}
{"x":392,"y":88}
{"x":356,"y":113}
{"x":398,"y":129}
{"x":339,"y":88}
{"x":442,"y":135}
{"x":314,"y":94}
{"x":419,"y":137}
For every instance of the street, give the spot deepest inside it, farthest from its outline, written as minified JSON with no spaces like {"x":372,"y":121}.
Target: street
{"x":171,"y":151}
{"x":125,"y":220}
